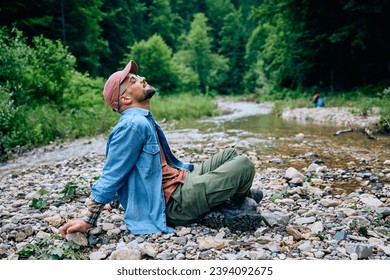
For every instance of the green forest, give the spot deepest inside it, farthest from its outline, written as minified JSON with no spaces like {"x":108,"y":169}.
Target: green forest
{"x":56,"y":55}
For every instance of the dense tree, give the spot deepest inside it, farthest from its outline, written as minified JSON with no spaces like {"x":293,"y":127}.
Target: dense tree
{"x":162,"y":21}
{"x":247,"y":7}
{"x":216,"y":12}
{"x":75,"y":22}
{"x":352,"y":40}
{"x":336,"y":43}
{"x":185,"y":10}
{"x":232,"y":46}
{"x":289,"y":43}
{"x":210,"y":67}
{"x":154,"y":60}
{"x":82,"y":25}
{"x":120,"y":29}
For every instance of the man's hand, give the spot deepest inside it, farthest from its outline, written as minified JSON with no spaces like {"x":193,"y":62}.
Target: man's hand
{"x":74,"y":226}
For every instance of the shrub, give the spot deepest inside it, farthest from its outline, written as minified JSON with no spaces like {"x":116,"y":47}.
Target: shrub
{"x":7,"y":115}
{"x":36,"y":74}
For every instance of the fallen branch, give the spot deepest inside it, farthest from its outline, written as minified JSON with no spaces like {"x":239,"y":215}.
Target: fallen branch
{"x":343,"y":131}
{"x":366,"y":131}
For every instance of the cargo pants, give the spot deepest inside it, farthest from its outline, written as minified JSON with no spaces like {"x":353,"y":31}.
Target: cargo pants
{"x":225,"y":175}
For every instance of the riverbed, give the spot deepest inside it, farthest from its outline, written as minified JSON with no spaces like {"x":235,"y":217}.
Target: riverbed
{"x":325,"y":196}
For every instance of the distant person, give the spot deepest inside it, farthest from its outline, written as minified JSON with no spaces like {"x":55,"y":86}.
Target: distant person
{"x":155,"y":189}
{"x":318,"y":100}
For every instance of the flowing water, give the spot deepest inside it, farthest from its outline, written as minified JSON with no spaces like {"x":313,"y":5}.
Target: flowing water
{"x":271,"y":135}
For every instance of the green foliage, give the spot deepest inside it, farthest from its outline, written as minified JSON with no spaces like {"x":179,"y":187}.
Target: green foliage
{"x":363,"y":230}
{"x":279,"y":194}
{"x":320,"y":235}
{"x":35,"y":74}
{"x":162,"y":21}
{"x":154,"y":59}
{"x":83,"y":30}
{"x":42,"y":251}
{"x":41,"y":201}
{"x":269,"y":51}
{"x":216,"y":12}
{"x":71,"y":190}
{"x":196,"y":53}
{"x":377,"y":221}
{"x":189,"y":79}
{"x":43,"y":98}
{"x":292,"y":43}
{"x":8,"y":131}
{"x":353,"y":224}
{"x":232,"y":46}
{"x":119,"y":31}
{"x":181,"y":106}
{"x":353,"y":206}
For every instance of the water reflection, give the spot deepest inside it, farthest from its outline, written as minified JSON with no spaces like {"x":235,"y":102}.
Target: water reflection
{"x":273,"y":136}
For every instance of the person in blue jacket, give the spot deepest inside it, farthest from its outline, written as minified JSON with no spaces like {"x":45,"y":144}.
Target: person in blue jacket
{"x":318,"y":100}
{"x":156,"y":190}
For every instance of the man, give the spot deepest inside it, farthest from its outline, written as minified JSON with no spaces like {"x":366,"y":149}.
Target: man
{"x":156,"y":190}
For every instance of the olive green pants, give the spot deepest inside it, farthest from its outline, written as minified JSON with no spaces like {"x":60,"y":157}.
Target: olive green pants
{"x":225,"y":175}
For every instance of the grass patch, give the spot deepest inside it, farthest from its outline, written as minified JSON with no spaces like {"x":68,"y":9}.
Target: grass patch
{"x":183,"y":106}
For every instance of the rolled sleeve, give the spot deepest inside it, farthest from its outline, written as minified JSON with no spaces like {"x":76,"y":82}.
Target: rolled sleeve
{"x":94,"y":210}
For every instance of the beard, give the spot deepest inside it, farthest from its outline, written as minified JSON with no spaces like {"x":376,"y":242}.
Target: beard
{"x":150,"y":92}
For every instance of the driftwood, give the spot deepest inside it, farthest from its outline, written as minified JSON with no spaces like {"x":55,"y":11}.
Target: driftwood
{"x":343,"y":131}
{"x":365,"y":130}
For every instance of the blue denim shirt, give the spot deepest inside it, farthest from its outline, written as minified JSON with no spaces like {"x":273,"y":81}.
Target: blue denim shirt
{"x":133,"y":171}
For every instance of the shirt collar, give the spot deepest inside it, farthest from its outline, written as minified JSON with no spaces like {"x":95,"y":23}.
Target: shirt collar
{"x":137,"y":111}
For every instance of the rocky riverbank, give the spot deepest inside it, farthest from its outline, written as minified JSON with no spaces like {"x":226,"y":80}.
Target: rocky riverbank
{"x":316,"y":210}
{"x":342,"y":117}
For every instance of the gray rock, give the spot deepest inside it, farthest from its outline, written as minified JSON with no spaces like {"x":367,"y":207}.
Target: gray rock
{"x":78,"y":238}
{"x":129,"y":254}
{"x":327,"y":202}
{"x":312,"y":167}
{"x":96,"y":230}
{"x":370,"y":200}
{"x":340,"y":235}
{"x":302,"y":221}
{"x":363,"y":251}
{"x":166,"y":256}
{"x":292,"y":173}
{"x":182,"y":240}
{"x":276,"y":218}
{"x":149,"y":249}
{"x":99,"y":255}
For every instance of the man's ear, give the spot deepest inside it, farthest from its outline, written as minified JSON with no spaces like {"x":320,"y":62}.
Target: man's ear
{"x":126,"y":100}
